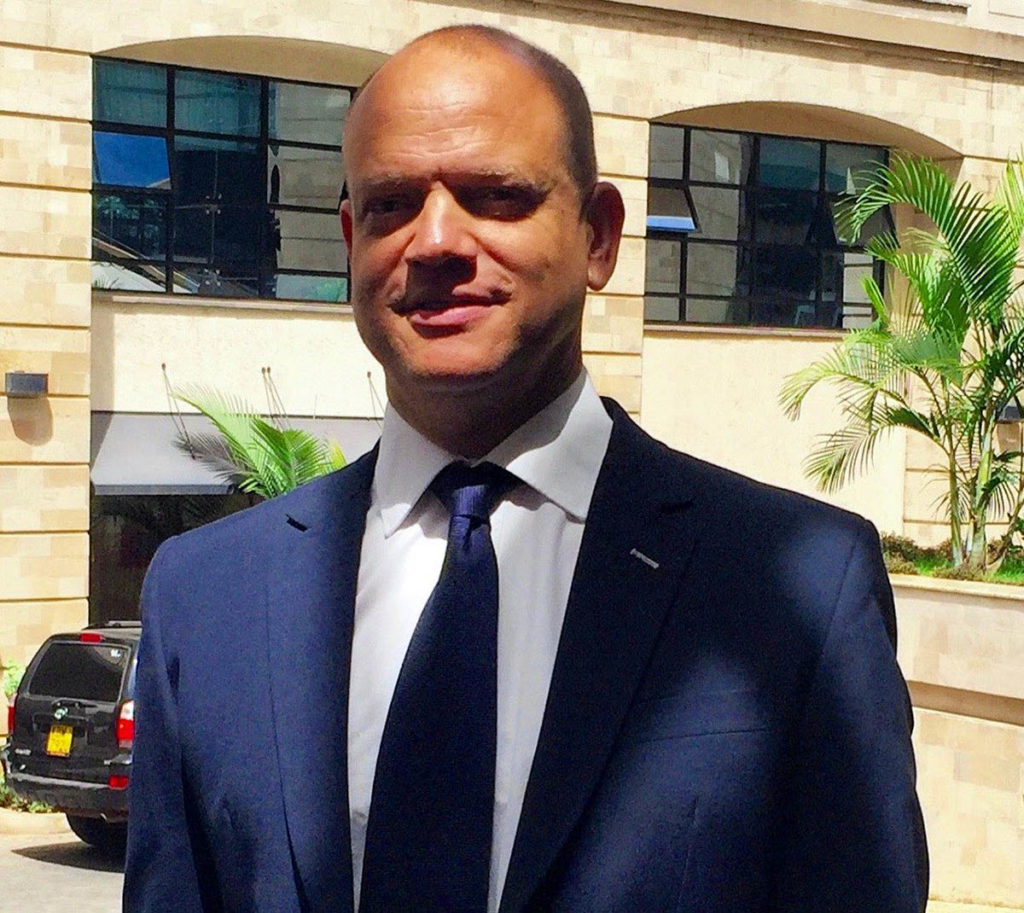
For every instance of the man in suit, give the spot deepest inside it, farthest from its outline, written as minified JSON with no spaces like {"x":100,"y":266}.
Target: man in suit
{"x":697,"y":707}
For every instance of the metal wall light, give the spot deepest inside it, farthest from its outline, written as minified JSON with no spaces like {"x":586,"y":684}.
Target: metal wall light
{"x":1011,"y":414}
{"x":24,"y":385}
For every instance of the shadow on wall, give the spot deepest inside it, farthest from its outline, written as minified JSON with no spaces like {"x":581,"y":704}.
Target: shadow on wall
{"x":31,"y":419}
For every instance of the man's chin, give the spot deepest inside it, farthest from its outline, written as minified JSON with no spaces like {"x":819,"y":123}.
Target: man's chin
{"x":454,"y":379}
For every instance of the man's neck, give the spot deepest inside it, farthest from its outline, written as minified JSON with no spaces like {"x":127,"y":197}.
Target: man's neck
{"x":472,"y":425}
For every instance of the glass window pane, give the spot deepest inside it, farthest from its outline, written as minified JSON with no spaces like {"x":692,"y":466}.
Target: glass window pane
{"x":844,"y":163}
{"x":304,"y":177}
{"x":223,"y":280}
{"x":297,"y":287}
{"x":667,"y":201}
{"x":129,"y":93}
{"x":770,"y":311}
{"x":128,"y":227}
{"x":721,"y":158}
{"x":843,"y":274}
{"x":212,"y":234}
{"x":787,"y":271}
{"x":701,"y":310}
{"x":790,"y":163}
{"x":721,"y":213}
{"x":664,"y":260}
{"x":661,"y":309}
{"x":666,"y":151}
{"x":310,"y":241}
{"x":786,"y":216}
{"x":716,"y":269}
{"x":128,"y":276}
{"x":880,"y":223}
{"x":307,"y":114}
{"x":88,"y":672}
{"x":130,"y":160}
{"x":208,"y":170}
{"x":216,"y":103}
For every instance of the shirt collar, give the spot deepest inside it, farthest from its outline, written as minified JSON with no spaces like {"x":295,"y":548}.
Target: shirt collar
{"x":558,"y":452}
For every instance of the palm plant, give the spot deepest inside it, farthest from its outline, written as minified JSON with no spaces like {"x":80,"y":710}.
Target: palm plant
{"x":255,"y":453}
{"x":948,"y":362}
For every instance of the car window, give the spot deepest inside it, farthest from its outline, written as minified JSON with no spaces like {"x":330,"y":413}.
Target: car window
{"x":90,"y":672}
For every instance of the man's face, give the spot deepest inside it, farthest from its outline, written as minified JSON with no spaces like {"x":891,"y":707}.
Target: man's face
{"x":469,"y":254}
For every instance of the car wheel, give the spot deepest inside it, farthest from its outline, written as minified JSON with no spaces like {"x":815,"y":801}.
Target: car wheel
{"x":104,"y":835}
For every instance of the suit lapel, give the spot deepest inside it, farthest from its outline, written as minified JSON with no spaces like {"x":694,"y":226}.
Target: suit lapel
{"x":311,"y":585}
{"x":638,"y":537}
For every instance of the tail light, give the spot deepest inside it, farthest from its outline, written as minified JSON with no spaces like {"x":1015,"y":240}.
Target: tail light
{"x":117,"y":781}
{"x":10,"y":714}
{"x":126,"y":725}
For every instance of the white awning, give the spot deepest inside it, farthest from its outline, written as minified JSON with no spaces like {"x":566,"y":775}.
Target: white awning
{"x":137,"y":453}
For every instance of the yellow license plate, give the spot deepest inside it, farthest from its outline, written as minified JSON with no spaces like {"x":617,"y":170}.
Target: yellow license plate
{"x":58,"y":742}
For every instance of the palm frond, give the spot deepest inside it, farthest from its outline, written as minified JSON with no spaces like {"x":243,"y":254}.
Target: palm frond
{"x":255,"y":453}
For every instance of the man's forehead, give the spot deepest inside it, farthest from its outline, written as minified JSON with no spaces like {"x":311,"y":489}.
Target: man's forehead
{"x":455,"y":115}
{"x":440,"y":72}
{"x":432,"y":56}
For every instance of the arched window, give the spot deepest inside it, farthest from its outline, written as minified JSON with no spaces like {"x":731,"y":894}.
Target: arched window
{"x":741,"y":230}
{"x":216,"y":183}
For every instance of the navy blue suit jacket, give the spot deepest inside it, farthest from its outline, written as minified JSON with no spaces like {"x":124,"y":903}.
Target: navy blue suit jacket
{"x":727,"y":729}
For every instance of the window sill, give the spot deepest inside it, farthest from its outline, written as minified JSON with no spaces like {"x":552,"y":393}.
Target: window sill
{"x":697,"y":329}
{"x":105,"y":296}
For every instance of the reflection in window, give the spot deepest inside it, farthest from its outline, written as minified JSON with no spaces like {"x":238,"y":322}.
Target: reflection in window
{"x":130,"y":160}
{"x":302,"y":113}
{"x":795,"y":164}
{"x":129,"y":226}
{"x":217,"y":184}
{"x":130,"y":93}
{"x":297,"y":176}
{"x":216,"y":103}
{"x":759,"y":245}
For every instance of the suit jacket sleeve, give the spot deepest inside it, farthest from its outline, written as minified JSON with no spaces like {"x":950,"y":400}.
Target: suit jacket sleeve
{"x":167,"y":867}
{"x":854,"y":838}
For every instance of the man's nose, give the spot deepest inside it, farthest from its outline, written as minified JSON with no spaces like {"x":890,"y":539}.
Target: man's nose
{"x":442,"y":231}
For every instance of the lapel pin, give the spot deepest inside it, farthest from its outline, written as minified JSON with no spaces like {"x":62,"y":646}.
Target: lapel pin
{"x":650,"y":562}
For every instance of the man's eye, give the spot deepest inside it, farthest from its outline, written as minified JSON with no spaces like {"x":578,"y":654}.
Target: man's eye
{"x":385,"y":206}
{"x":500,"y":202}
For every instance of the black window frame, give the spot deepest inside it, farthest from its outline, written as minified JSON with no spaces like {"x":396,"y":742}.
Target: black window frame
{"x":263,"y":210}
{"x":825,"y":314}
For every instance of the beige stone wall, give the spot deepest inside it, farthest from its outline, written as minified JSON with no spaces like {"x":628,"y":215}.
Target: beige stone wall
{"x":714,"y":394}
{"x":44,"y":327}
{"x":960,"y":648}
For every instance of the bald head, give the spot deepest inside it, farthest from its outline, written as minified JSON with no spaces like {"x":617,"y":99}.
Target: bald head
{"x":478,"y":41}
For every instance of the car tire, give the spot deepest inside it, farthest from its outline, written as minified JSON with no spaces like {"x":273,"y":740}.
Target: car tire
{"x":104,"y":835}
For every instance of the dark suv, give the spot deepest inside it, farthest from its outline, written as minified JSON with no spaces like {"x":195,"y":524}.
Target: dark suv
{"x":71,"y":726}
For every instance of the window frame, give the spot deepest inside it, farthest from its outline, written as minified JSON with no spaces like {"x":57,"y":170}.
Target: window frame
{"x":747,"y":244}
{"x":262,"y":208}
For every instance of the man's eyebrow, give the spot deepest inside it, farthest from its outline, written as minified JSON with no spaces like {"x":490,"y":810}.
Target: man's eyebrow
{"x":510,"y":178}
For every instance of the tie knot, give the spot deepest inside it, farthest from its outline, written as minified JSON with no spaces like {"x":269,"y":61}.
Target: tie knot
{"x":472,"y":491}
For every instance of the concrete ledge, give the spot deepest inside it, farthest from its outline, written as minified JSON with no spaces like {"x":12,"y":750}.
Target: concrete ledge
{"x":1008,"y":591}
{"x":12,"y":822}
{"x":945,"y":906}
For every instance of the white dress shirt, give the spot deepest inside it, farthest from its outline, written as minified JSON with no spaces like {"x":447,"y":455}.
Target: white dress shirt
{"x":536,"y":530}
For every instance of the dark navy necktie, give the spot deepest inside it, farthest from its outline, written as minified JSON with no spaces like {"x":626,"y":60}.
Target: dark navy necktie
{"x":428,"y":838}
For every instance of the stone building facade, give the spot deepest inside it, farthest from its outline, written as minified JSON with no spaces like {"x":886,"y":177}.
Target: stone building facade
{"x":944,"y":78}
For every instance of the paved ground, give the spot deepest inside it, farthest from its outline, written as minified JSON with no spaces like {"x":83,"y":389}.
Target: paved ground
{"x":57,"y":873}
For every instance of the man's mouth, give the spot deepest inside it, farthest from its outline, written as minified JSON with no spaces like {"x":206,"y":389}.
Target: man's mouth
{"x":449,"y":312}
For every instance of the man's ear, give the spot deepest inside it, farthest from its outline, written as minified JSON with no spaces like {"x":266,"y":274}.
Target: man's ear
{"x":345,"y":211}
{"x":604,"y":213}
